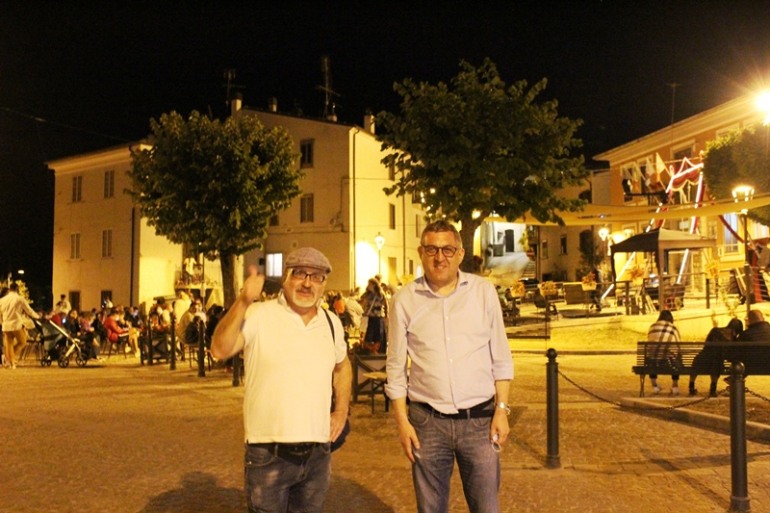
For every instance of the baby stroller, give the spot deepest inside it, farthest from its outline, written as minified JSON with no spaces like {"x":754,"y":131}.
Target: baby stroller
{"x":59,"y":345}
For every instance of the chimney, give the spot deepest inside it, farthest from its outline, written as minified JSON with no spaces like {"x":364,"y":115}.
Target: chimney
{"x":236,"y":103}
{"x":272,"y":104}
{"x":369,"y":122}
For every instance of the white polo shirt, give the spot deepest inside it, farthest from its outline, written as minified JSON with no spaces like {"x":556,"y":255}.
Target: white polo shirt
{"x":288,"y":366}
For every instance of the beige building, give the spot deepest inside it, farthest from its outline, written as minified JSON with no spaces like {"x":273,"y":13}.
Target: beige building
{"x":668,"y":163}
{"x":342,"y":209}
{"x":103,"y":249}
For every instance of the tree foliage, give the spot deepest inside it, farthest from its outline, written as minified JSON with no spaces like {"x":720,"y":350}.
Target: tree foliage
{"x":214,"y":184}
{"x":740,"y":158}
{"x":476,"y":146}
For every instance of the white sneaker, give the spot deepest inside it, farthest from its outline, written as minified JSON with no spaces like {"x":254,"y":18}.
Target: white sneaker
{"x":656,"y":389}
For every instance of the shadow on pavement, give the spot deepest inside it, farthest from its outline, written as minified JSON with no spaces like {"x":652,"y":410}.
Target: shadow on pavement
{"x":199,"y":492}
{"x":347,"y":495}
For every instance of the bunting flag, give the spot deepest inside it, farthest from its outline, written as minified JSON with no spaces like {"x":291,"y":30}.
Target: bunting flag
{"x":688,"y":172}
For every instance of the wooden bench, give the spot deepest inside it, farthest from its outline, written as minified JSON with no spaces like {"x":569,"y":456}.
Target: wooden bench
{"x":699,"y":358}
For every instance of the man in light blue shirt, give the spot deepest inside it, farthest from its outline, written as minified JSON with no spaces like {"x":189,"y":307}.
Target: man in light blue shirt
{"x":450,"y":325}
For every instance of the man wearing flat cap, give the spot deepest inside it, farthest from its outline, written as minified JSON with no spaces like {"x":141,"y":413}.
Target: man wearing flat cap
{"x":293,"y":353}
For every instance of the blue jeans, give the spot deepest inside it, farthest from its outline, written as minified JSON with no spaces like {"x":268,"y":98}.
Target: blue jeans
{"x":278,"y":485}
{"x":443,"y":440}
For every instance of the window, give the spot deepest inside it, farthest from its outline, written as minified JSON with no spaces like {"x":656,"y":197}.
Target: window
{"x":391,"y":216}
{"x":75,"y":299}
{"x":392,"y":172}
{"x":274,"y":220}
{"x":544,"y":250}
{"x":417,"y":227}
{"x":109,"y":184}
{"x":306,"y":153}
{"x":563,"y":245}
{"x":74,"y":246}
{"x":274,"y":265}
{"x":106,"y":243}
{"x":306,"y":209}
{"x":77,"y":189}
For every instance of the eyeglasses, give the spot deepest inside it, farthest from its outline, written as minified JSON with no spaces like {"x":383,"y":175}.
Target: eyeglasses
{"x":300,"y":275}
{"x":447,"y":251}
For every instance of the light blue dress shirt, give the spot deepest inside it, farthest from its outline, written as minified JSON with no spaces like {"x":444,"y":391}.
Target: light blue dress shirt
{"x":456,"y":343}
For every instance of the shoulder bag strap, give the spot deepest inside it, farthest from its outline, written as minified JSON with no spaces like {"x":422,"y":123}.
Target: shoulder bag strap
{"x":331,"y":326}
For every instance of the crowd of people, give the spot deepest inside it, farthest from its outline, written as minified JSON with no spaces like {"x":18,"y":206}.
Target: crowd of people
{"x":110,"y":327}
{"x":364,"y":315}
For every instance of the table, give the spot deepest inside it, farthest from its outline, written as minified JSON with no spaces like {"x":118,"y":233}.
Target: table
{"x":378,"y":379}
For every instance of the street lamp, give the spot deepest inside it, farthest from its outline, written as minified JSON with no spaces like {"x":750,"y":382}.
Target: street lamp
{"x":744,"y":193}
{"x":379,"y":240}
{"x":604,"y":233}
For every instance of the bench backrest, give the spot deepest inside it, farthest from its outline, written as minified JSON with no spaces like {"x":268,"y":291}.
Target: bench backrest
{"x":703,"y":357}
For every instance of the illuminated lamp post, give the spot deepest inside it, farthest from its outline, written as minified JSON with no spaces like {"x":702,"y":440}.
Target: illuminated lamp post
{"x":604,"y":232}
{"x":379,"y":240}
{"x":744,"y":193}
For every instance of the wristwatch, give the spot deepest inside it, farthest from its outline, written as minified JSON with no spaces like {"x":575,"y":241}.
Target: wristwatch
{"x":504,"y":406}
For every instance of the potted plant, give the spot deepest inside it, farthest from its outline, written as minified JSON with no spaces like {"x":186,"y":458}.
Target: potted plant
{"x":517,"y":289}
{"x":548,"y":289}
{"x":588,"y":282}
{"x":637,"y":275}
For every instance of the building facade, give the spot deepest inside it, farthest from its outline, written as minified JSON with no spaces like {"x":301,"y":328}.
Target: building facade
{"x":104,"y":249}
{"x":343,"y":209}
{"x":668,"y":164}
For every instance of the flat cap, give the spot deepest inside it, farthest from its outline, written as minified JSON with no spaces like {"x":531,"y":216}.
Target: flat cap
{"x":308,"y":257}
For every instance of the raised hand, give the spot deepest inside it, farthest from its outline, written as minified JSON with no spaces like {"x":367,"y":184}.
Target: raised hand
{"x":252,"y":287}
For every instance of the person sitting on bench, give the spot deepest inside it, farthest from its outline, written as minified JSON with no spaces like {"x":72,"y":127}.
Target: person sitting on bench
{"x":709,"y":357}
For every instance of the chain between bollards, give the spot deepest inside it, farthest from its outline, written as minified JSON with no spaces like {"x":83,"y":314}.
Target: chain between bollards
{"x":552,"y":459}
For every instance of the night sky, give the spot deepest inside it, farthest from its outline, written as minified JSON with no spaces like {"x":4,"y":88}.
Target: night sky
{"x":75,"y":79}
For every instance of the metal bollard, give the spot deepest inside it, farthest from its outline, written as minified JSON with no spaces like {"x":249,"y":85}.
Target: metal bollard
{"x":142,"y":339}
{"x":172,"y":365}
{"x":708,"y":293}
{"x":739,"y":499}
{"x":552,"y":460}
{"x":150,"y":348}
{"x":201,"y":350}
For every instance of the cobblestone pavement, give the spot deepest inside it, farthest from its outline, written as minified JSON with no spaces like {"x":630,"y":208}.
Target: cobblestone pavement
{"x":121,"y":438}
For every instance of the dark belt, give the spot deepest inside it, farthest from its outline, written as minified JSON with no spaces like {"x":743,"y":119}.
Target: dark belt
{"x":289,"y":451}
{"x":479,"y":411}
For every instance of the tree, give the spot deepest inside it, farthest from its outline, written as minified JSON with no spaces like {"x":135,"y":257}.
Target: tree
{"x":476,"y":146}
{"x":214,"y":184}
{"x":591,"y":255}
{"x":740,"y":158}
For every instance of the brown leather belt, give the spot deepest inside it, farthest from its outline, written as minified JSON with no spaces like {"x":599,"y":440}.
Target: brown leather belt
{"x":481,"y":410}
